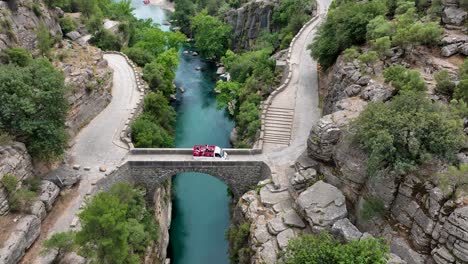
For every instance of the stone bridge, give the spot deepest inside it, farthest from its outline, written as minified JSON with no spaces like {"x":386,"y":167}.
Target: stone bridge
{"x":150,"y":167}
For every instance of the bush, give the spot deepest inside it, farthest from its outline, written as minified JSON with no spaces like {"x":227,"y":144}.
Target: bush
{"x":372,"y":207}
{"x":461,"y":90}
{"x":33,"y":184}
{"x":34,"y":107}
{"x":106,"y":40}
{"x":444,"y":83}
{"x":67,"y":24}
{"x":406,"y":132}
{"x":148,"y":134}
{"x":139,"y":56}
{"x":323,"y":249}
{"x":10,"y":182}
{"x":286,"y":40}
{"x":19,"y":56}
{"x":238,"y":237}
{"x":36,"y":9}
{"x":21,"y":200}
{"x":211,"y":35}
{"x":44,"y":40}
{"x":404,"y":79}
{"x":62,"y":242}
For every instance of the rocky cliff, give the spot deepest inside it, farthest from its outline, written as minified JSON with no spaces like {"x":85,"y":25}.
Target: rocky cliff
{"x":249,"y":21}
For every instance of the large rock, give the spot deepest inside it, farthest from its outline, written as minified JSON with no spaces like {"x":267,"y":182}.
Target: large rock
{"x":271,"y":198}
{"x":449,"y":50}
{"x":284,"y":237}
{"x":64,"y":176}
{"x":303,"y":178}
{"x":345,"y":230}
{"x":21,"y":238}
{"x":401,"y":248}
{"x":377,"y":93}
{"x":72,"y":258}
{"x":322,"y":204}
{"x":48,"y":192}
{"x":454,"y":16}
{"x":38,"y":209}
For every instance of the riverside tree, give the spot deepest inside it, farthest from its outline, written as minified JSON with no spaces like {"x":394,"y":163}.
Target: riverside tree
{"x":211,"y":35}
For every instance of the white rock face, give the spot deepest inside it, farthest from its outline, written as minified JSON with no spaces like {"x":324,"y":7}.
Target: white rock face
{"x":345,"y":230}
{"x":25,"y":233}
{"x":323,"y":204}
{"x":48,"y":193}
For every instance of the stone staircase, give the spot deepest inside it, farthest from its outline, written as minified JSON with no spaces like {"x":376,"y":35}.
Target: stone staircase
{"x":278,"y":125}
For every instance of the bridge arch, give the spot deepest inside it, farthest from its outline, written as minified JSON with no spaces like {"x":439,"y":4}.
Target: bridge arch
{"x":239,"y":176}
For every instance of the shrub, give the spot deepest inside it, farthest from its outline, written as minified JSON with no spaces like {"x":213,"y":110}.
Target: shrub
{"x":444,"y":83}
{"x":238,"y":236}
{"x":44,"y":41}
{"x":33,"y":184}
{"x":67,"y":24}
{"x":372,"y":207}
{"x":286,"y":40}
{"x":323,"y":249}
{"x":10,"y":182}
{"x":350,"y":54}
{"x":36,"y":9}
{"x":404,"y":79}
{"x":21,"y":200}
{"x":406,"y":132}
{"x":19,"y":56}
{"x":211,"y":35}
{"x":5,"y":138}
{"x":148,"y":134}
{"x":139,"y":56}
{"x":106,"y":40}
{"x":63,"y":242}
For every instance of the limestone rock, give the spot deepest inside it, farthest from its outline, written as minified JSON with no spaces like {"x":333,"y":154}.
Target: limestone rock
{"x":47,"y":257}
{"x":4,"y":206}
{"x":323,"y":204}
{"x":63,"y":176}
{"x":74,"y":35}
{"x":449,"y":50}
{"x":292,"y":219}
{"x":463,"y":49}
{"x":454,"y":16}
{"x":284,"y":237}
{"x":270,"y":198}
{"x":261,"y":234}
{"x":38,"y":209}
{"x":48,"y":192}
{"x":394,"y":259}
{"x":345,"y":230}
{"x":24,"y":234}
{"x":376,"y":93}
{"x":269,"y":252}
{"x":276,"y":225}
{"x":303,"y":178}
{"x":401,"y":248}
{"x":353,"y":90}
{"x":72,"y":258}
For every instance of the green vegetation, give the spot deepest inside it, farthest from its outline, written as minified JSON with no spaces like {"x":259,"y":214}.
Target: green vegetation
{"x":238,"y":237}
{"x":155,"y":127}
{"x":67,"y":24}
{"x":461,"y":91}
{"x":116,"y":228}
{"x":106,"y":40}
{"x":384,"y":24}
{"x":403,"y":79}
{"x":18,"y":56}
{"x":372,"y":207}
{"x":63,"y":242}
{"x":211,"y":35}
{"x":455,"y":177}
{"x":445,"y":85}
{"x":252,"y":80}
{"x":44,"y":40}
{"x":10,"y":182}
{"x":323,"y":249}
{"x":407,"y":131}
{"x":33,"y":108}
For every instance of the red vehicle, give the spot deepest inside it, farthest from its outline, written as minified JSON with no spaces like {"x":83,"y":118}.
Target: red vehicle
{"x":207,"y":152}
{"x":146,"y":2}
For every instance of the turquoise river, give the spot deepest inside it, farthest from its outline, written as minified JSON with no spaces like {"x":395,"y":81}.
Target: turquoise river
{"x":200,"y":214}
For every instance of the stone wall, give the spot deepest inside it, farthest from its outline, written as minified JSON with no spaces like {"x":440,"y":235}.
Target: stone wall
{"x":240,"y":176}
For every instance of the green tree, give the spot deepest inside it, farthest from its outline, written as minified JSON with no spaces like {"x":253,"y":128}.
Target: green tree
{"x":228,"y":92}
{"x":382,"y":46}
{"x":157,"y":108}
{"x":444,"y":85}
{"x":404,"y":79}
{"x":211,"y":35}
{"x":62,"y":242}
{"x":407,"y":132}
{"x":148,"y":134}
{"x":238,"y":237}
{"x":44,"y":41}
{"x":159,"y":78}
{"x":323,"y":249}
{"x":106,"y":40}
{"x":87,"y":7}
{"x":379,"y":27}
{"x":67,"y":24}
{"x":368,"y":58}
{"x":350,"y":54}
{"x":34,"y":107}
{"x":139,"y":55}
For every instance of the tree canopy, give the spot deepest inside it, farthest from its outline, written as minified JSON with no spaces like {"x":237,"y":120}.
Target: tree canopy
{"x":211,"y":35}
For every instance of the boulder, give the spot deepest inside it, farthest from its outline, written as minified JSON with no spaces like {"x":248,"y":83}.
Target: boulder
{"x":4,"y":207}
{"x":292,"y":219}
{"x":376,"y":93}
{"x":270,"y":198}
{"x":303,"y":178}
{"x":21,"y":238}
{"x":269,"y":252}
{"x":38,"y":209}
{"x":401,"y":248}
{"x":63,"y":176}
{"x":454,"y":16}
{"x":345,"y":230}
{"x":276,"y":225}
{"x":463,"y":49}
{"x":284,"y":237}
{"x":394,"y":259}
{"x":261,"y":234}
{"x":72,"y":258}
{"x":322,"y":204}
{"x":449,"y":50}
{"x":48,"y":192}
{"x":74,"y":35}
{"x":353,"y":90}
